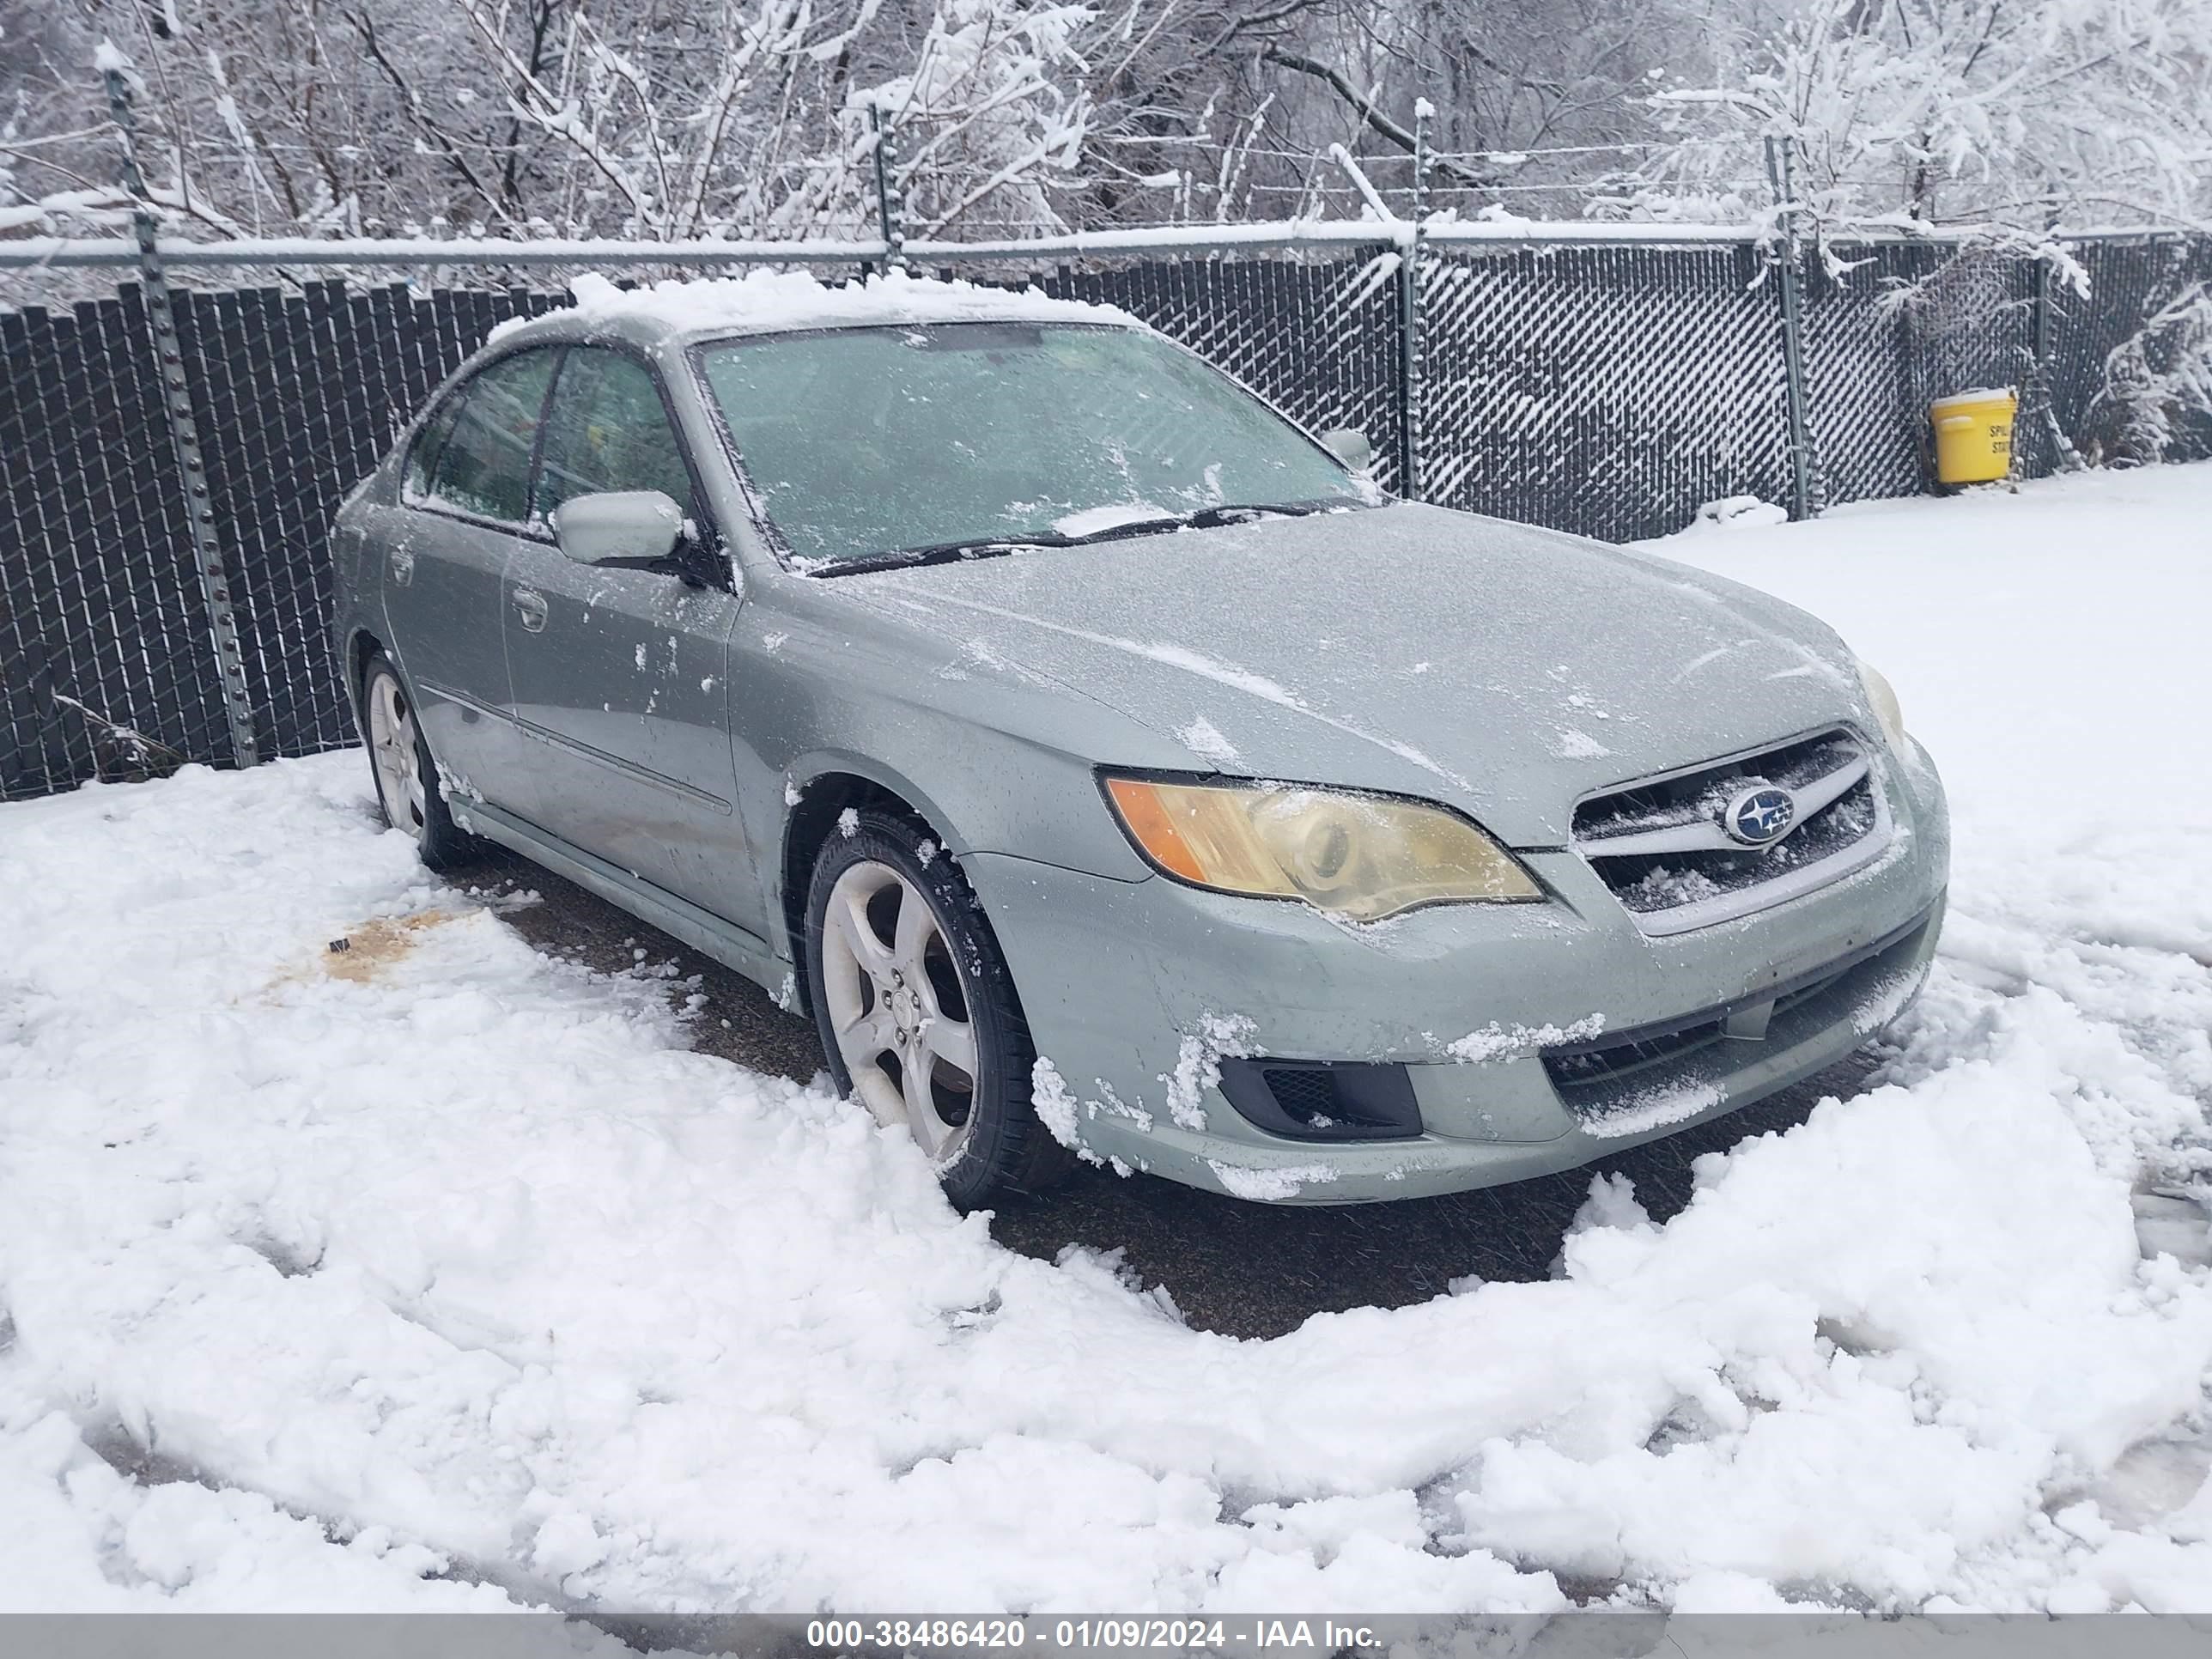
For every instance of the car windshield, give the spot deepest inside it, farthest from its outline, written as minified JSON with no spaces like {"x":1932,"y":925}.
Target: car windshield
{"x":882,"y":445}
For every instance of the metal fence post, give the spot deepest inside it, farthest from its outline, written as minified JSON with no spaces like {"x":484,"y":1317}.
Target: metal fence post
{"x":1409,"y":316}
{"x":2042,"y":337}
{"x":1804,"y":487}
{"x":184,"y":433}
{"x":2036,"y":394}
{"x":888,"y":217}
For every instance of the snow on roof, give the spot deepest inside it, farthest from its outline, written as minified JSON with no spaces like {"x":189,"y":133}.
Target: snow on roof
{"x":767,"y":302}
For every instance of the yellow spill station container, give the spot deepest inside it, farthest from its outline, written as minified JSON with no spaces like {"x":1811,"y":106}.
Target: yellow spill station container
{"x":1973,"y":435}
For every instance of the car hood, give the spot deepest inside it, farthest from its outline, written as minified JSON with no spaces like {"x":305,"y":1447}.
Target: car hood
{"x":1505,"y":669}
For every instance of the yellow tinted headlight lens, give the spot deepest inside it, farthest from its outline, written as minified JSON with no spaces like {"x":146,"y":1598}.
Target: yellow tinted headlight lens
{"x":1362,"y":857}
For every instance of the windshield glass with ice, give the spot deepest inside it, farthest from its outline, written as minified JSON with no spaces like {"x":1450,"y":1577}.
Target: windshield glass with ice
{"x":869,"y":442}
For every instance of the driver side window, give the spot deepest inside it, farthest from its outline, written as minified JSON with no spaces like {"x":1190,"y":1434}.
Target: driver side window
{"x":608,"y":429}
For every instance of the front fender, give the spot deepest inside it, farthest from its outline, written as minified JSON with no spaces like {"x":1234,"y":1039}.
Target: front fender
{"x":999,"y":757}
{"x":980,"y":792}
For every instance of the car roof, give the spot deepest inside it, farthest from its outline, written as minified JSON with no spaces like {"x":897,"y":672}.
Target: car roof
{"x":777,"y":302}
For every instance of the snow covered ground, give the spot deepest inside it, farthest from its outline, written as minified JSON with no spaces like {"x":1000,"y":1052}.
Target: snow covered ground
{"x":438,"y":1274}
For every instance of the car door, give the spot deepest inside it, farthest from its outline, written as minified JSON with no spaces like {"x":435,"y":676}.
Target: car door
{"x":619,"y":674}
{"x":465,"y":493}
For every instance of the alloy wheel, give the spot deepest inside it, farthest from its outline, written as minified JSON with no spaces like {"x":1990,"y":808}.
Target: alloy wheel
{"x":897,"y":1008}
{"x":396,"y":755}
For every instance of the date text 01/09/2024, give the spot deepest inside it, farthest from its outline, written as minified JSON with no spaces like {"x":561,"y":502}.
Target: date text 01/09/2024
{"x":1126,"y":1634}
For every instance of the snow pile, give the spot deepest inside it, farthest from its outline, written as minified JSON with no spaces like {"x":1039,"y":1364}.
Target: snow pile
{"x":454,"y":1278}
{"x":766,"y":301}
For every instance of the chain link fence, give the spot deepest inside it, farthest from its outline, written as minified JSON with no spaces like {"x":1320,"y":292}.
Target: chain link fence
{"x":1605,"y":390}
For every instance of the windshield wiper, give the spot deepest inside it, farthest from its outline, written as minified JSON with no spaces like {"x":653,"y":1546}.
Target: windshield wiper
{"x":973,"y":547}
{"x":987,"y":547}
{"x":1206,"y":518}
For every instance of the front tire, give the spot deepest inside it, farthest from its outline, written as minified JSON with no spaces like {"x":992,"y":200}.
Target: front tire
{"x":917,"y":1012}
{"x":406,"y":777}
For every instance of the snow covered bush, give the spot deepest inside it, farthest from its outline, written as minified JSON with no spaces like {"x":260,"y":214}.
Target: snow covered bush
{"x":2158,"y":384}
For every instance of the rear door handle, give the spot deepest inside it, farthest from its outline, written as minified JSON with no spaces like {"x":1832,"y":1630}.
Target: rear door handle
{"x":530,"y":605}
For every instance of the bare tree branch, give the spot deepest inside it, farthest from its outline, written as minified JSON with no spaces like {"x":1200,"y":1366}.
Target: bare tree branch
{"x":422,"y":118}
{"x":1364,"y":104}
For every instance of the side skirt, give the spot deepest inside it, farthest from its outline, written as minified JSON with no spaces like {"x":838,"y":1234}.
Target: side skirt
{"x":703,"y":930}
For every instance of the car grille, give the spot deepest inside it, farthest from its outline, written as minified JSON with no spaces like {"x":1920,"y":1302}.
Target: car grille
{"x":1631,"y":1052}
{"x":1660,"y":846}
{"x":1692,"y":1058}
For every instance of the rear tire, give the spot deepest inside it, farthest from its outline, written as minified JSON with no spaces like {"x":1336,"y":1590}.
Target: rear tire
{"x":407,"y":787}
{"x":917,"y":1011}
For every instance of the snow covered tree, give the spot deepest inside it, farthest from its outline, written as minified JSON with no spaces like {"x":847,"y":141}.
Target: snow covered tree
{"x":1947,"y":112}
{"x":653,"y":117}
{"x":629,"y":118}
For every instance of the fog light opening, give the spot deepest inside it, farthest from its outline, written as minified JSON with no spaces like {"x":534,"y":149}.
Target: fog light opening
{"x":1314,"y":1100}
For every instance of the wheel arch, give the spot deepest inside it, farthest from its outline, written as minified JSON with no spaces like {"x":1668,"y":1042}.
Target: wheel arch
{"x":840,"y":785}
{"x":360,"y":646}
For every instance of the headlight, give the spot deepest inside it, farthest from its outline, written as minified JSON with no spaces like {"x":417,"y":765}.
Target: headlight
{"x":1362,"y":857}
{"x":1883,"y":696}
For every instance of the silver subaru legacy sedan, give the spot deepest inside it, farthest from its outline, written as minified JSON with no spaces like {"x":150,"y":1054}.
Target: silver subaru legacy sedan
{"x":1110,"y":769}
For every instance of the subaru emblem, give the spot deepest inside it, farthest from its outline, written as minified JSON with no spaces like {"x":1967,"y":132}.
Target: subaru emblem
{"x":1760,"y":816}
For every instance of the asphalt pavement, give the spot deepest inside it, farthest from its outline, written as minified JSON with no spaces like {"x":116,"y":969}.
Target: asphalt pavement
{"x":1248,"y":1270}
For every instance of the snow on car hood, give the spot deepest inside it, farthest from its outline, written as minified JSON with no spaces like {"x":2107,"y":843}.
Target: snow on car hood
{"x":1505,"y":669}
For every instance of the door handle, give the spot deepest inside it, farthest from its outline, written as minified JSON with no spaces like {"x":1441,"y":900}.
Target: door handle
{"x":530,"y":605}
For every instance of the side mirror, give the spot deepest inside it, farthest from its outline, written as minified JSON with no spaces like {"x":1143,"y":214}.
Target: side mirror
{"x":618,"y":523}
{"x":1350,"y":445}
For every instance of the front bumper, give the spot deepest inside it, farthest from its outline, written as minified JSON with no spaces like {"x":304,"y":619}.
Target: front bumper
{"x":1134,"y":991}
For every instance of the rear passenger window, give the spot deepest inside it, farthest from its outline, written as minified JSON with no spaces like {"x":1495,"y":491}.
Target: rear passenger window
{"x":609,"y":430}
{"x":483,"y":466}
